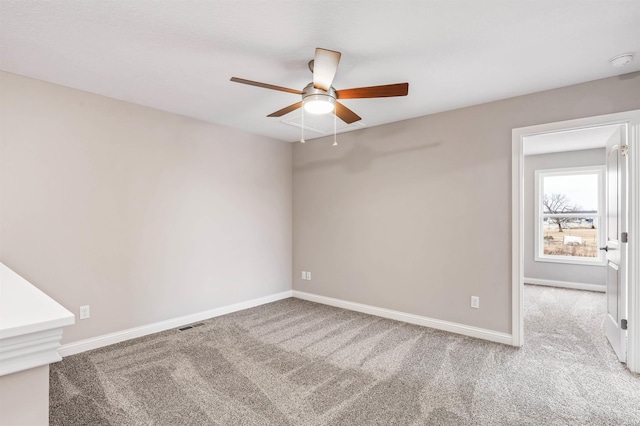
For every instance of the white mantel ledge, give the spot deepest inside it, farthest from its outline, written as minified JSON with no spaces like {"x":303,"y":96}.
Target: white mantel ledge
{"x":31,"y":324}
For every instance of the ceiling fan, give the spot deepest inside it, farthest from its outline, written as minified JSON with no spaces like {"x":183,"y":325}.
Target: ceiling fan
{"x":319,"y":96}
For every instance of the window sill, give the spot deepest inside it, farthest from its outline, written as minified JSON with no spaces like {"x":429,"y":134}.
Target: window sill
{"x":571,"y":261}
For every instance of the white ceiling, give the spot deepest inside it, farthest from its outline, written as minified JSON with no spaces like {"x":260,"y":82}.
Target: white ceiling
{"x":178,"y":55}
{"x":569,"y":140}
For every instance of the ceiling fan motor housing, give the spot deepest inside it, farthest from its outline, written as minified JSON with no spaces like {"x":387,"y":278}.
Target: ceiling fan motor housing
{"x":312,"y":95}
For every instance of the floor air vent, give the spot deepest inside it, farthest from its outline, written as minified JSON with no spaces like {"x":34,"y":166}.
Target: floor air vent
{"x":188,"y":327}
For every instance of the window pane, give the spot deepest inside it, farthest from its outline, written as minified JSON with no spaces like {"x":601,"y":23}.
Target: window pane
{"x":570,"y":193}
{"x":570,"y":236}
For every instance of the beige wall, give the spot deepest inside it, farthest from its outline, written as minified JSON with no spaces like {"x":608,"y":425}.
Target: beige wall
{"x":415,"y":216}
{"x":148,"y":216}
{"x":584,"y":274}
{"x":141,"y":214}
{"x":24,"y":397}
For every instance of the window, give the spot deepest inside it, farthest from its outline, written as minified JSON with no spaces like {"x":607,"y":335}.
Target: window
{"x":570,"y":207}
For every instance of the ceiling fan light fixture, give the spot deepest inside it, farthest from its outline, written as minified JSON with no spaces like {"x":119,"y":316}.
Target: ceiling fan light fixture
{"x":319,"y":104}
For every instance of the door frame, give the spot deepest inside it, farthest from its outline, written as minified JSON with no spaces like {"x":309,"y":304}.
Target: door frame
{"x":632,"y":120}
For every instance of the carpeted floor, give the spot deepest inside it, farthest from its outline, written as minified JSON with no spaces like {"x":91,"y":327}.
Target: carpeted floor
{"x":294,"y":362}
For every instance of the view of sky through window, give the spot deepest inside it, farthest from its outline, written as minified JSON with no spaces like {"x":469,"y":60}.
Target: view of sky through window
{"x":580,"y":189}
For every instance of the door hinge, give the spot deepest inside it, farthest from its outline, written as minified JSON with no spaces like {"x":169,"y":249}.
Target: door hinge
{"x":624,"y":237}
{"x":624,"y":150}
{"x":623,"y":324}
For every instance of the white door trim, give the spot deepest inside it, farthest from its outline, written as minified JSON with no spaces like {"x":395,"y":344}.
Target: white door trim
{"x":632,"y":120}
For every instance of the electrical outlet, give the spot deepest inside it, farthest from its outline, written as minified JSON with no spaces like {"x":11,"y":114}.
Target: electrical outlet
{"x":85,"y":312}
{"x":304,"y":275}
{"x":309,"y":276}
{"x":475,"y":302}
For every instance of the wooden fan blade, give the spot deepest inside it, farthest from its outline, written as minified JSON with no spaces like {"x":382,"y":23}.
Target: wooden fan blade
{"x":286,"y":110}
{"x":265,"y":85}
{"x":386,"y":91}
{"x":345,"y":114}
{"x":325,"y":65}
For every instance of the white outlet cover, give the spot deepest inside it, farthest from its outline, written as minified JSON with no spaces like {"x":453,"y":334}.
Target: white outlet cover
{"x":85,"y":312}
{"x":475,"y":302}
{"x":309,"y":276}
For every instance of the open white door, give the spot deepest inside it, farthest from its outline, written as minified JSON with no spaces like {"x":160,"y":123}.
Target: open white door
{"x":626,"y":302}
{"x":615,"y":322}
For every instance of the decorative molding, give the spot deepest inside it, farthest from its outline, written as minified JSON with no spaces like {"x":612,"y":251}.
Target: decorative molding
{"x":132,"y":333}
{"x":517,"y":237}
{"x":28,"y":351}
{"x":31,"y":324}
{"x":633,"y":248}
{"x":566,"y":284}
{"x":452,"y":327}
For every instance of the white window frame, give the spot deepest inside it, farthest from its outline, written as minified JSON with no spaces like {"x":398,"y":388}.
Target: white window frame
{"x":539,"y":248}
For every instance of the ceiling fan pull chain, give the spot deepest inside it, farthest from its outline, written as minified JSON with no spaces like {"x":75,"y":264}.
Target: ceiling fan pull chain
{"x":335,"y":142}
{"x":302,"y":127}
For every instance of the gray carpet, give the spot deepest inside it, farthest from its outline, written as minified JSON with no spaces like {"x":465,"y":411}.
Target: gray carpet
{"x":294,"y":362}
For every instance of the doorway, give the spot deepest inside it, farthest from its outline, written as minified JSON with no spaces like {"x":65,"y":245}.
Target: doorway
{"x":629,"y":125}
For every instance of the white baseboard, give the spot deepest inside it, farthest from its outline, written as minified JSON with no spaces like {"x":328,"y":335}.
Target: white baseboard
{"x":452,"y":327}
{"x":132,"y":333}
{"x":565,"y":284}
